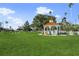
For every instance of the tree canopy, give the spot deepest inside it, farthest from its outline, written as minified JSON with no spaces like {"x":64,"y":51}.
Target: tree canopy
{"x":39,"y":20}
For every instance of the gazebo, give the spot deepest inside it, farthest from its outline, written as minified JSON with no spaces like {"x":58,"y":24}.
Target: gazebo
{"x":51,"y":28}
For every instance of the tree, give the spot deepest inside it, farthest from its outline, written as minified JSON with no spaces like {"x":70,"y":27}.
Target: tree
{"x":50,"y":12}
{"x":26,"y":26}
{"x":10,"y":27}
{"x":65,"y":14}
{"x":78,"y":16}
{"x":64,"y":19}
{"x":20,"y":28}
{"x":6,"y":22}
{"x":70,"y":6}
{"x":1,"y":26}
{"x":40,"y":19}
{"x":66,"y":25}
{"x":76,"y":26}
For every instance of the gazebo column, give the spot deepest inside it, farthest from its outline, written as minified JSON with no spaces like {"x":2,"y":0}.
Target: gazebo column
{"x":50,"y":30}
{"x":58,"y":29}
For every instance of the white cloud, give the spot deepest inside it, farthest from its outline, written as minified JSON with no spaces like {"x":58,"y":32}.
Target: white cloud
{"x":6,"y":11}
{"x":58,"y":16}
{"x":43,"y":10}
{"x":15,"y":22}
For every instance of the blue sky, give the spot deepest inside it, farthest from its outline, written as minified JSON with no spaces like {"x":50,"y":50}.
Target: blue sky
{"x":17,"y":13}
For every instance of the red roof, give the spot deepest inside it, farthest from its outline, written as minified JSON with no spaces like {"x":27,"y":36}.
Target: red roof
{"x":52,"y":23}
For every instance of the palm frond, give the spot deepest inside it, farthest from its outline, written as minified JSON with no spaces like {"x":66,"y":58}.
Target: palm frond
{"x":70,"y":5}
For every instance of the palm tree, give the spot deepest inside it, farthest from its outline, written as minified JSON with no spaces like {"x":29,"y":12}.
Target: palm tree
{"x":0,"y":24}
{"x":70,"y":6}
{"x":75,"y":26}
{"x":50,"y":12}
{"x":65,"y":14}
{"x":6,"y":22}
{"x":52,"y":18}
{"x":10,"y":27}
{"x":78,"y":16}
{"x":65,"y":17}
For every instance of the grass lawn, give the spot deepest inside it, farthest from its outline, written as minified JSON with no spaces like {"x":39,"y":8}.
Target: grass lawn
{"x":31,"y":44}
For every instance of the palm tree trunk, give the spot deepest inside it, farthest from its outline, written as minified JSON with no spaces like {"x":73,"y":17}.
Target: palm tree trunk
{"x":71,"y":14}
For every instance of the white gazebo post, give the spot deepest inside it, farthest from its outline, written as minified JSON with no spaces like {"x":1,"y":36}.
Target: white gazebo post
{"x":44,"y":30}
{"x":58,"y":29}
{"x":50,"y":30}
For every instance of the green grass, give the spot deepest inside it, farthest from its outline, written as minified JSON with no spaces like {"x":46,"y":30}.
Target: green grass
{"x":31,"y":44}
